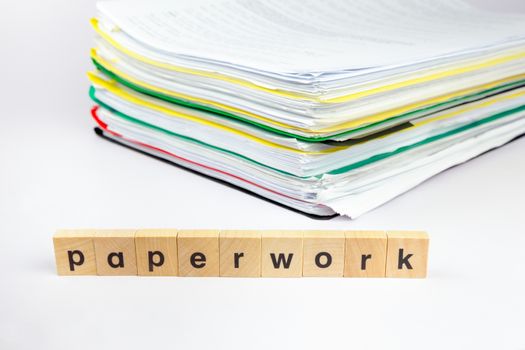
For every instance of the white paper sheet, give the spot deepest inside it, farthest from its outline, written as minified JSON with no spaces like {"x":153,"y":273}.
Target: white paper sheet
{"x":298,"y":36}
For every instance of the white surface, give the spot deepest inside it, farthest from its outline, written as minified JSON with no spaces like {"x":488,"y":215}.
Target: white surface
{"x":55,"y":173}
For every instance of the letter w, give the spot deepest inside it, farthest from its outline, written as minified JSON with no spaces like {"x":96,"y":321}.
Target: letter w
{"x":285,"y":261}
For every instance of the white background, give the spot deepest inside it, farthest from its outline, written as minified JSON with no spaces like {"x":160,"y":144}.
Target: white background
{"x":55,"y":173}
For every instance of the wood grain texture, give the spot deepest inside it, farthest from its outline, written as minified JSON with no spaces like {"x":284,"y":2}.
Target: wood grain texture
{"x":407,"y":254}
{"x":75,"y":252}
{"x":323,"y":253}
{"x":157,"y":253}
{"x":115,"y":252}
{"x":198,"y":252}
{"x":365,"y":253}
{"x":240,"y":253}
{"x":282,"y":253}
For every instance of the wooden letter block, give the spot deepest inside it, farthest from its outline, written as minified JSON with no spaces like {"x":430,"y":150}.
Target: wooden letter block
{"x":240,"y":253}
{"x":157,"y":252}
{"x":365,"y":254}
{"x":323,"y":253}
{"x":282,"y":253}
{"x":115,"y":252}
{"x":198,"y":253}
{"x":407,"y":254}
{"x":74,"y":252}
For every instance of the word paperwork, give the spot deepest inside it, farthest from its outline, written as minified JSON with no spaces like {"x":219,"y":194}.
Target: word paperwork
{"x":246,"y":253}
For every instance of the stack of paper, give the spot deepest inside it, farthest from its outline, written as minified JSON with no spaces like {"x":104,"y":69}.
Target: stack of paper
{"x":330,"y":107}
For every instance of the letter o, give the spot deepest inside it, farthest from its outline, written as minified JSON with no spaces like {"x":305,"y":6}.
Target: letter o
{"x":318,"y":260}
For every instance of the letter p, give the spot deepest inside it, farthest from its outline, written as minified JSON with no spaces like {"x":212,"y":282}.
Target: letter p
{"x":75,"y":258}
{"x":155,"y":259}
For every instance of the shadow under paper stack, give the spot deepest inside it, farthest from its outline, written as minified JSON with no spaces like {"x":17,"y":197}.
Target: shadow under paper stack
{"x":328,"y":108}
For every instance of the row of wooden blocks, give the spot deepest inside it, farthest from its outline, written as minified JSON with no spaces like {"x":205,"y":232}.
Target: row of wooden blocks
{"x":207,"y":253}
